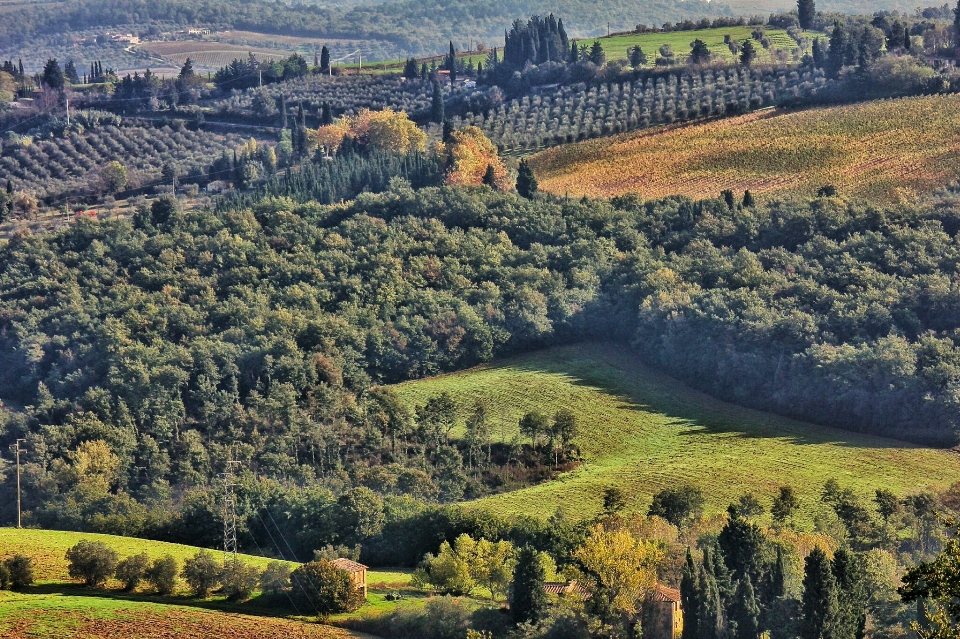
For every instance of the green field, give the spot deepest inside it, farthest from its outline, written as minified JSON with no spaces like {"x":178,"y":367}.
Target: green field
{"x":616,"y":46}
{"x":643,"y":431}
{"x":48,"y":549}
{"x":59,"y":607}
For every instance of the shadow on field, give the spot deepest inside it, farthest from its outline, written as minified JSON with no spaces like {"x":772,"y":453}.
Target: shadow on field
{"x":617,"y":370}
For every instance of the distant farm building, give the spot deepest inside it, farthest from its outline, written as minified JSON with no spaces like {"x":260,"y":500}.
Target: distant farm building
{"x":565,"y":588}
{"x":662,"y":614}
{"x":358,"y":573}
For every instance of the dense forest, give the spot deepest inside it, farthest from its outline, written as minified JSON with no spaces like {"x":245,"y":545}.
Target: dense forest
{"x":261,"y":332}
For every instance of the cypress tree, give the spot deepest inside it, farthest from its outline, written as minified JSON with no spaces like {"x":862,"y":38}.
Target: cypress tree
{"x":848,"y":572}
{"x":423,"y":72}
{"x":721,"y":575}
{"x":436,"y":104}
{"x":526,"y":181}
{"x":574,"y":52}
{"x":727,"y":196}
{"x":710,"y":610}
{"x":324,"y":58}
{"x":818,"y":607}
{"x":410,"y":69}
{"x":452,"y":63}
{"x":690,"y":598}
{"x":528,"y":599}
{"x":744,"y":612}
{"x":748,"y":202}
{"x":778,"y":585}
{"x":835,"y":54}
{"x":956,"y":23}
{"x":489,"y":177}
{"x":906,"y":37}
{"x":807,"y":12}
{"x":447,"y":131}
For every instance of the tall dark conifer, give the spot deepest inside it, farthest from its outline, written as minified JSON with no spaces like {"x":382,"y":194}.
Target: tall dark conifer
{"x":324,"y":58}
{"x":837,"y":51}
{"x":710,"y":610}
{"x":807,"y":13}
{"x":744,"y":611}
{"x":690,"y":596}
{"x":848,"y":571}
{"x":526,"y":181}
{"x":436,"y":104}
{"x":818,"y":606}
{"x":528,"y":599}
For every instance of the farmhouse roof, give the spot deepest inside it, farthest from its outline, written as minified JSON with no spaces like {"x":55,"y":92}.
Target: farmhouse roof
{"x":348,"y":565}
{"x":664,"y":593}
{"x":565,"y":588}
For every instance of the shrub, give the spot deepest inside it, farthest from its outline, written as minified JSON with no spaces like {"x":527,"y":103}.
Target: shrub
{"x":239,"y":580}
{"x":162,"y":574}
{"x":91,"y":561}
{"x":275,"y":577}
{"x":4,"y":576}
{"x":20,"y":569}
{"x":324,"y":588}
{"x":132,"y":570}
{"x":202,"y":572}
{"x":441,"y":618}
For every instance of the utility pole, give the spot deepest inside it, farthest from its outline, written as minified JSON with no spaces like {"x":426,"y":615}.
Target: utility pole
{"x":16,"y":448}
{"x":68,"y":113}
{"x":261,"y":77}
{"x":229,"y":514}
{"x":359,"y":62}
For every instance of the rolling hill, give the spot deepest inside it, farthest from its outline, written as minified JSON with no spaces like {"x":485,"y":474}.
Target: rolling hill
{"x":885,"y":152}
{"x":643,"y":431}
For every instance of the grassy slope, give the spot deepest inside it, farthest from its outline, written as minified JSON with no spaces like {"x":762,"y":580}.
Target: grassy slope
{"x":884,"y":151}
{"x":616,"y":46}
{"x":48,"y":549}
{"x":57,"y":607}
{"x":644,"y":431}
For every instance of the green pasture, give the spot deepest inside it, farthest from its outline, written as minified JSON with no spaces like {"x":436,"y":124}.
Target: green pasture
{"x":616,"y":47}
{"x":48,"y":549}
{"x":643,"y":431}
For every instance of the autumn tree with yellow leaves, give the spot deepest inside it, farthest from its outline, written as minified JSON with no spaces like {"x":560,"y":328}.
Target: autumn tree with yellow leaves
{"x":386,"y":131}
{"x":469,"y":155}
{"x":619,"y":569}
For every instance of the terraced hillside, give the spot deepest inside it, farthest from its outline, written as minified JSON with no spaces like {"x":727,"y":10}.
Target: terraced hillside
{"x":643,"y":431}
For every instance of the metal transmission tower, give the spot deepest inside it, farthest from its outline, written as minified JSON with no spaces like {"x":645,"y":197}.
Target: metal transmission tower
{"x":16,"y":449}
{"x":229,"y":514}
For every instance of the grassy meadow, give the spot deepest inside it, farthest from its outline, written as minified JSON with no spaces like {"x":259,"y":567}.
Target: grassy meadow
{"x":643,"y":431}
{"x":886,"y":151}
{"x":616,"y":47}
{"x":60,"y":607}
{"x":48,"y":549}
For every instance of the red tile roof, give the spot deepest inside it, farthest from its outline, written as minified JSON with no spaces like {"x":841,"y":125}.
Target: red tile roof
{"x":664,"y":593}
{"x":348,"y":565}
